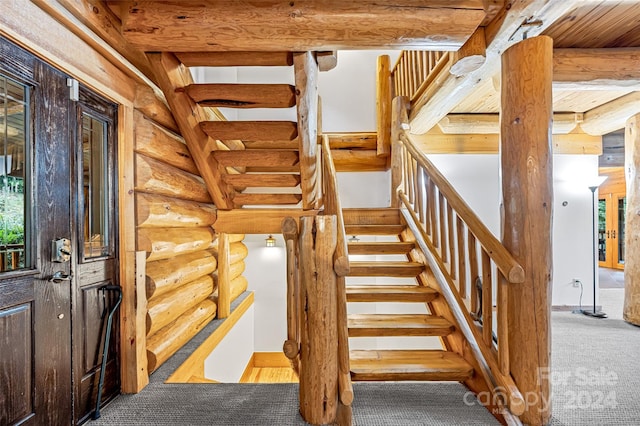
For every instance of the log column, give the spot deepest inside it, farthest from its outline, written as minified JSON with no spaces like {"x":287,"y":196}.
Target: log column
{"x":318,"y":334}
{"x":527,"y":191}
{"x":631,"y":310}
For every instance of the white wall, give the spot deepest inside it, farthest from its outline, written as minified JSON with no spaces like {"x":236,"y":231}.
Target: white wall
{"x":228,"y":360}
{"x":477,"y":179}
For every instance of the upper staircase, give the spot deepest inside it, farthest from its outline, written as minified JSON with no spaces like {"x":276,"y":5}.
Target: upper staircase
{"x":252,"y":163}
{"x":392,"y":278}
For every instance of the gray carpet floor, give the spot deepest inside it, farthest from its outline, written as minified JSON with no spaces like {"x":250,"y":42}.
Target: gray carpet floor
{"x":595,"y":375}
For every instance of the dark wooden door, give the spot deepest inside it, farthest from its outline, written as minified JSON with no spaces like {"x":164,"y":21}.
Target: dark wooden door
{"x":57,"y":181}
{"x":35,"y":311}
{"x":95,"y":265}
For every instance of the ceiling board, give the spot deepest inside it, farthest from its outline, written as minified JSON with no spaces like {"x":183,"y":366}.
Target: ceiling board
{"x":599,"y":24}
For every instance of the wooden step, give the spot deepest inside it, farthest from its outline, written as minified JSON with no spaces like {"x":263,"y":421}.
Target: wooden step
{"x":235,"y":59}
{"x":393,"y":247}
{"x":378,"y":325}
{"x":266,"y":199}
{"x":398,"y":365}
{"x":269,"y":180}
{"x":292,"y":145}
{"x":362,"y":216}
{"x":385,"y":269}
{"x":264,"y":158}
{"x":251,"y":130}
{"x":243,"y":95}
{"x":390,"y":293}
{"x":374,"y":229}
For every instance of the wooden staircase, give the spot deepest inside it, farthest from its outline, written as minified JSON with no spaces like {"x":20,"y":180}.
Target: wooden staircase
{"x":383,"y":267}
{"x":254,"y":163}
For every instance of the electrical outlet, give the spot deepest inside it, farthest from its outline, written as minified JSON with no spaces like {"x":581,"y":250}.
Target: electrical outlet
{"x":575,"y":283}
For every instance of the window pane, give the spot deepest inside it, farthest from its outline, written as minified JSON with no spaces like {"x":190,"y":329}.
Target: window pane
{"x":602,"y":230}
{"x":95,"y":187}
{"x":13,"y":137}
{"x":622,"y":211}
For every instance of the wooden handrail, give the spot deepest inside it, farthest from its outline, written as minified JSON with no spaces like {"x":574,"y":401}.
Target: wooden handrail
{"x":488,"y":365}
{"x":509,"y":267}
{"x":332,"y":206}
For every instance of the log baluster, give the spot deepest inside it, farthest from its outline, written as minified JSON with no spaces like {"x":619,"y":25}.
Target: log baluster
{"x":291,"y":347}
{"x":224,"y":283}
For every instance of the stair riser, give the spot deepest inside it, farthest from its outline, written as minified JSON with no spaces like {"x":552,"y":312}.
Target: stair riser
{"x":382,"y":298}
{"x":386,"y":272}
{"x":397,"y":332}
{"x":427,"y":377}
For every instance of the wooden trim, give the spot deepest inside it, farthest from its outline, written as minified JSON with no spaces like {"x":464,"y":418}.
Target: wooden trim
{"x":270,"y":360}
{"x":246,"y":374}
{"x":195,"y":362}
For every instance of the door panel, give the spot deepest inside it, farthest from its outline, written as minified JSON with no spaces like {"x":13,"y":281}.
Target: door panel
{"x":94,"y":263}
{"x":611,"y":230}
{"x":16,"y":364}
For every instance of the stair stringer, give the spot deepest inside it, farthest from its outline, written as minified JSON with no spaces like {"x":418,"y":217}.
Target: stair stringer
{"x":455,"y":341}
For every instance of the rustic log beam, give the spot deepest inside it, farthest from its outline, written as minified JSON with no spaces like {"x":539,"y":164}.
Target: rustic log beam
{"x":164,"y":309}
{"x":224,"y":291}
{"x":327,"y":60}
{"x":156,"y":142}
{"x":306,"y":77}
{"x":383,"y":106}
{"x":358,"y":160}
{"x":164,"y":276}
{"x":527,"y":163}
{"x":163,"y":243}
{"x":318,"y":349}
{"x":235,"y":252}
{"x":157,"y":211}
{"x":257,"y":221}
{"x":507,"y":28}
{"x":631,"y":311}
{"x":480,"y":124}
{"x":253,"y":158}
{"x":606,"y":69}
{"x":164,"y":343}
{"x":157,"y":177}
{"x":153,"y":106}
{"x":437,"y":143}
{"x":611,"y":116}
{"x":310,"y":25}
{"x":236,"y":95}
{"x":171,"y":75}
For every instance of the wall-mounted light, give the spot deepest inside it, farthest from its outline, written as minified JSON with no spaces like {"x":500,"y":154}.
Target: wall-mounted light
{"x":270,"y":241}
{"x":354,"y":239}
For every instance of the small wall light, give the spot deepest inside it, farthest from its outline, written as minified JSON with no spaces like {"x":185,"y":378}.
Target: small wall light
{"x":270,"y":241}
{"x":354,"y":239}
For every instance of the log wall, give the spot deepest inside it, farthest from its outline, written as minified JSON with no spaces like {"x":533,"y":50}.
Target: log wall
{"x":174,"y":227}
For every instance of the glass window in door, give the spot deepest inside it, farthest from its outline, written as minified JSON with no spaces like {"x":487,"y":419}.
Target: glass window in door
{"x":14,"y":223}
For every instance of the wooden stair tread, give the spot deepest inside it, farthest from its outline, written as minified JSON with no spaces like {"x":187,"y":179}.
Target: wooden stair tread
{"x":374,"y":229}
{"x":251,"y":130}
{"x":385,"y":269}
{"x":376,"y":325}
{"x":237,"y":95}
{"x":371,"y":216}
{"x":390,"y":293}
{"x":392,"y":247}
{"x":272,"y":180}
{"x":262,"y":158}
{"x":235,"y":59}
{"x":391,"y":365}
{"x":266,"y":199}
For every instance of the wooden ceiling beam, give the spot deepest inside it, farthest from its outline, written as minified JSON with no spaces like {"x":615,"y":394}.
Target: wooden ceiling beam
{"x":482,"y":124}
{"x":434,"y":143}
{"x":596,"y":69}
{"x":611,"y":116}
{"x":527,"y":18}
{"x":270,"y":25}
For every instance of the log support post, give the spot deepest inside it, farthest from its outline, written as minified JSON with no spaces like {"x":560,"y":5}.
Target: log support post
{"x":399,"y":122}
{"x":318,"y":349}
{"x":631,"y":311}
{"x":527,"y":191}
{"x":224,"y":281}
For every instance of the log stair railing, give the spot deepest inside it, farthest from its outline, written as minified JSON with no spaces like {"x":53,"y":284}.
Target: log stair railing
{"x":254,"y":163}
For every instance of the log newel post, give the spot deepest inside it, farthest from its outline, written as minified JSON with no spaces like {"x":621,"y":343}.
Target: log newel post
{"x":318,"y":349}
{"x":631,"y":310}
{"x":399,"y":122}
{"x":224,"y":282}
{"x":527,"y":192}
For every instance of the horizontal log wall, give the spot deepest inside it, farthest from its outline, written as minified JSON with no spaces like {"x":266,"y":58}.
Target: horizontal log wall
{"x":174,"y":218}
